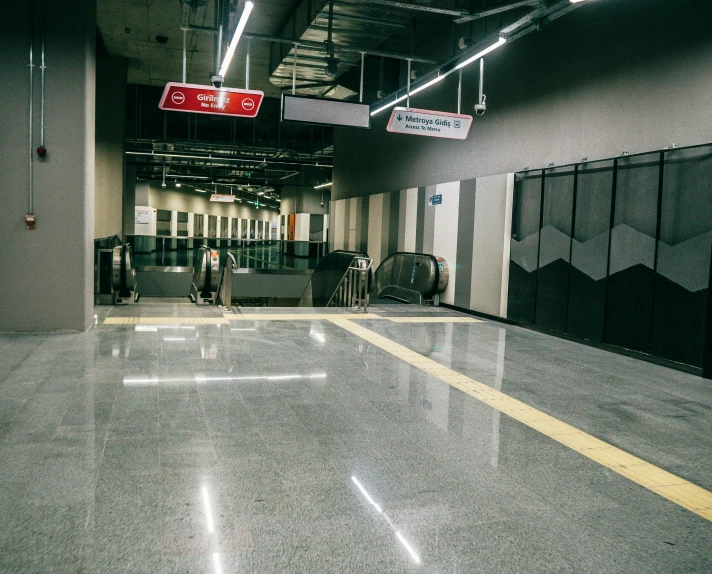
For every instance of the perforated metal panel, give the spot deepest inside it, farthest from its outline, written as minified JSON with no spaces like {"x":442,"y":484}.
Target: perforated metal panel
{"x":683,"y":256}
{"x":632,"y":259}
{"x":555,"y":249}
{"x":524,"y":247}
{"x":589,"y":250}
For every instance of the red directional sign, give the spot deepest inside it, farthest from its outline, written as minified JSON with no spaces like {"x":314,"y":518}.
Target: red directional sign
{"x":208,"y":100}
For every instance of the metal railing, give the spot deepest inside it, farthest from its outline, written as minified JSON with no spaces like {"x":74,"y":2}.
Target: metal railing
{"x":352,"y":290}
{"x":224,"y":297}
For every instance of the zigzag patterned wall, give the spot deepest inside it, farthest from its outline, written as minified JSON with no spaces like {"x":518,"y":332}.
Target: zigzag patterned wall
{"x":617,"y":251}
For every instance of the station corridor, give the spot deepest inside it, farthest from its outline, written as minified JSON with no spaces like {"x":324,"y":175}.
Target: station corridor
{"x":173,"y":438}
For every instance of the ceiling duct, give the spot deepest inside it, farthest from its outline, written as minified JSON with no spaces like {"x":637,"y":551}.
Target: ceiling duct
{"x":351,"y":25}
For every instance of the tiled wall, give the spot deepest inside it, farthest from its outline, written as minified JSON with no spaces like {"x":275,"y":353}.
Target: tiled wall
{"x":471,"y":229}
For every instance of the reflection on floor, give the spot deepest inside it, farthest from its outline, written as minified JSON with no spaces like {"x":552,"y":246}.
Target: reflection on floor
{"x":171,"y":438}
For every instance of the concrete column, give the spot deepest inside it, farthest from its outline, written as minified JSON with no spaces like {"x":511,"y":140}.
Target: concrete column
{"x":46,"y":274}
{"x":110,"y":121}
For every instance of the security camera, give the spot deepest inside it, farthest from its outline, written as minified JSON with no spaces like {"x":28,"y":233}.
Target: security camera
{"x":163,"y":184}
{"x":481,"y":108}
{"x":332,"y":66}
{"x":217,"y":81}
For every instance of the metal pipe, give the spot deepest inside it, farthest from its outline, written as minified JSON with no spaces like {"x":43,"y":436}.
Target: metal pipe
{"x":32,"y":65}
{"x":407,"y":97}
{"x":482,"y":80}
{"x":185,"y":31}
{"x":294,"y":70}
{"x":247,"y":66}
{"x":320,"y":46}
{"x":42,"y":75}
{"x":360,"y":93}
{"x":459,"y":92}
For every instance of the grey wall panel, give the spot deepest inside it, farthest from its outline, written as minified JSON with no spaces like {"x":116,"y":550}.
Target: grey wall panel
{"x":608,"y":77}
{"x":393,"y":221}
{"x":429,"y":221}
{"x":420,"y":220}
{"x":51,"y":267}
{"x":465,"y":234}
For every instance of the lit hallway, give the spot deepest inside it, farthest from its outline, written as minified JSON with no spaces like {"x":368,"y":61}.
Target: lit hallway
{"x":188,"y":441}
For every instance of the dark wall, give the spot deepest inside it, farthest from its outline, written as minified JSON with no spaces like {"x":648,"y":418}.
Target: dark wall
{"x":617,"y":252}
{"x":609,"y":77}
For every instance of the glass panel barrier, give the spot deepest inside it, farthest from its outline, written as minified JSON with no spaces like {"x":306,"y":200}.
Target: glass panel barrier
{"x":158,"y":251}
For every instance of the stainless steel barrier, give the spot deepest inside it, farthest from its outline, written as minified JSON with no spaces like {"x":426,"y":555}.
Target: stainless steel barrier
{"x":352,"y":291}
{"x":225,"y":287}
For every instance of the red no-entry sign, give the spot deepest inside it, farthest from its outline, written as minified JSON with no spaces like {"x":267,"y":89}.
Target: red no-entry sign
{"x":208,"y":100}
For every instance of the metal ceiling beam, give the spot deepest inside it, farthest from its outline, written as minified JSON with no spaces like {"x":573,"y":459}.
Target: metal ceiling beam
{"x":345,"y":31}
{"x":319,"y":46}
{"x":411,"y":6}
{"x":497,"y":10}
{"x":363,"y":20}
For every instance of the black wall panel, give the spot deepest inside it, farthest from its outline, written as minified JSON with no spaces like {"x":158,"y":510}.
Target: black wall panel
{"x":629,"y":304}
{"x":620,"y":252}
{"x":555,"y":249}
{"x":589,"y":251}
{"x":525,"y":247}
{"x":683,"y":257}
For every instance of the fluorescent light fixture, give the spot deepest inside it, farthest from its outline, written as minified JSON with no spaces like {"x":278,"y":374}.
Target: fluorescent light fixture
{"x":327,"y":184}
{"x":200,"y":190}
{"x":236,"y":37}
{"x":208,"y":511}
{"x":390,"y":104}
{"x":216,"y":562}
{"x":408,"y":547}
{"x":442,"y":76}
{"x":481,"y":54}
{"x":576,"y":1}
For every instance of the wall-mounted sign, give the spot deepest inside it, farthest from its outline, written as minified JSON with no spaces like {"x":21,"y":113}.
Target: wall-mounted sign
{"x":199,"y":99}
{"x":222,"y":198}
{"x":325,"y":112}
{"x":435,"y":199}
{"x":142,"y":215}
{"x":429,"y":123}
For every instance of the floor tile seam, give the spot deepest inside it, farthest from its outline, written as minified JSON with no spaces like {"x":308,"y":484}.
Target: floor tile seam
{"x":626,"y":471}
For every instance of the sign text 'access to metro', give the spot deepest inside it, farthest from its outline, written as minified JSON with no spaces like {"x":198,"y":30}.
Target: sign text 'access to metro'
{"x":429,"y":123}
{"x":199,"y":99}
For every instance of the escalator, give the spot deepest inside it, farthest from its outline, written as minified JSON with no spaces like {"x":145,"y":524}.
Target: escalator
{"x":336,"y":280}
{"x":114,"y":274}
{"x":414,"y":278}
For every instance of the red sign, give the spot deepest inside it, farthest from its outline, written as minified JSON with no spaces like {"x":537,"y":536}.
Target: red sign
{"x":208,"y":100}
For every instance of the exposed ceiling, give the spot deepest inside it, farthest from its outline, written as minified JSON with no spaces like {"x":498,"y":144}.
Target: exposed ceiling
{"x":129,"y":28}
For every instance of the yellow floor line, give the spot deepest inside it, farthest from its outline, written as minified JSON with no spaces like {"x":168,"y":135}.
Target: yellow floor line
{"x":667,"y":485}
{"x":433,"y":320}
{"x":165,"y":321}
{"x":352,"y":317}
{"x":297,"y":316}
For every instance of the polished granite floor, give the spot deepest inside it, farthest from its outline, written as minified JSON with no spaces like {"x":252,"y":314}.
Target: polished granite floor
{"x":296,"y":446}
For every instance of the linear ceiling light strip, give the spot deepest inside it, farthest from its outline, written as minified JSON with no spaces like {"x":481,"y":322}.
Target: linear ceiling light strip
{"x":236,"y":37}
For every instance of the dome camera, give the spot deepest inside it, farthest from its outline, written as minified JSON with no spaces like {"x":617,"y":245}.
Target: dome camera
{"x":217,"y":81}
{"x":332,"y":66}
{"x":481,"y":108}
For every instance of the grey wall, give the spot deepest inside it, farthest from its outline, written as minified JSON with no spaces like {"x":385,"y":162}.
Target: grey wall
{"x":110,"y":121}
{"x":611,"y":76}
{"x":304,"y":200}
{"x":46,"y":275}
